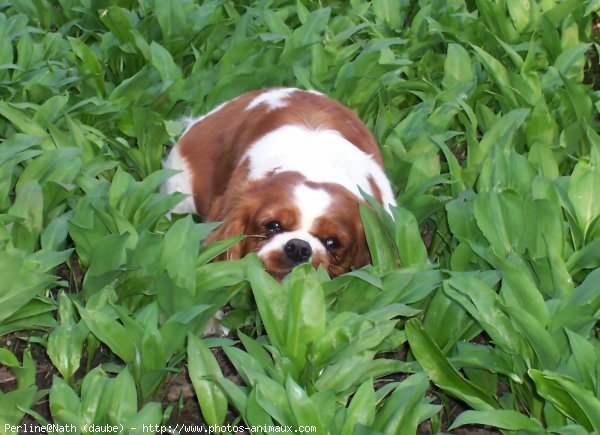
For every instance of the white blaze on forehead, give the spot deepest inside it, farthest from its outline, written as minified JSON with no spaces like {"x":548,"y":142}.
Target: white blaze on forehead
{"x":322,"y":156}
{"x":274,"y":98}
{"x":312,"y":204}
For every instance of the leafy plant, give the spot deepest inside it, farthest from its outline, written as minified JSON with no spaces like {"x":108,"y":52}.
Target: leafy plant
{"x":483,"y":288}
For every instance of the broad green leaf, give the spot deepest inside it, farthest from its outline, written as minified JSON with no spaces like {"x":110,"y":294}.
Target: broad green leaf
{"x":400,"y":412}
{"x":361,"y":409}
{"x":519,"y":11}
{"x":345,"y":374}
{"x":205,"y":372}
{"x":236,"y":394}
{"x":483,"y":304}
{"x":586,"y":357}
{"x":93,"y":403}
{"x":172,"y":18}
{"x":272,"y":397}
{"x":500,"y":134}
{"x":179,"y":251}
{"x":272,"y":303}
{"x":306,"y":313}
{"x":411,"y":248}
{"x":122,"y":391}
{"x":163,"y":62}
{"x":390,"y":12}
{"x":499,"y":217}
{"x":382,"y":253}
{"x":247,"y":366}
{"x":21,"y":120}
{"x":542,"y":343}
{"x":255,"y":414}
{"x":118,"y":23}
{"x":65,"y":404}
{"x":304,"y":410}
{"x":500,"y":418}
{"x":457,"y":67}
{"x":440,"y":370}
{"x":22,"y":282}
{"x":149,"y":416}
{"x":584,"y":190}
{"x":65,"y":342}
{"x":570,"y":398}
{"x":109,"y":331}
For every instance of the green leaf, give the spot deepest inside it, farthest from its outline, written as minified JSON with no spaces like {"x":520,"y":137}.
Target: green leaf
{"x":483,"y":304}
{"x":163,"y":61}
{"x":272,"y":397}
{"x":584,"y":191}
{"x":151,"y":415}
{"x":401,"y":411}
{"x":519,"y":11}
{"x":20,"y":120}
{"x":123,"y":397}
{"x":22,"y":282}
{"x":383,"y":255}
{"x":180,"y":249}
{"x":586,"y":358}
{"x":569,"y":397}
{"x":304,"y":410}
{"x":93,"y":403}
{"x":361,"y":409}
{"x":306,"y":313}
{"x":205,"y":372}
{"x":272,"y":303}
{"x":64,"y":403}
{"x":118,"y":23}
{"x":441,"y":372}
{"x":500,"y":134}
{"x":411,"y":248}
{"x":390,"y":12}
{"x":29,"y":208}
{"x":457,"y":67}
{"x":172,"y":18}
{"x":65,"y":342}
{"x":109,"y":331}
{"x":500,"y":418}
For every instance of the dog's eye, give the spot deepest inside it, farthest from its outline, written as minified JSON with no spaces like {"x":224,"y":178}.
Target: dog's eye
{"x":331,"y":243}
{"x":274,"y":227}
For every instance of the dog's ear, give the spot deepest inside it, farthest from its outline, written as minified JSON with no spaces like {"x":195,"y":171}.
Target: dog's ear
{"x":362,"y":256}
{"x":234,"y":224}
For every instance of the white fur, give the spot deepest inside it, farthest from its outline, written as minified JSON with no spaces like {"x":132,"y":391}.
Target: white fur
{"x":180,"y":182}
{"x":278,"y":242}
{"x":321,"y":156}
{"x":274,"y":98}
{"x":312,"y":204}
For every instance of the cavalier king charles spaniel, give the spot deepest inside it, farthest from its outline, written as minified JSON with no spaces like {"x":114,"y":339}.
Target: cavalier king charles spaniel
{"x":285,"y":167}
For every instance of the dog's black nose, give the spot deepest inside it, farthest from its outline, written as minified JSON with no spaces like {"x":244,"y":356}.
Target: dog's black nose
{"x":299,"y":251}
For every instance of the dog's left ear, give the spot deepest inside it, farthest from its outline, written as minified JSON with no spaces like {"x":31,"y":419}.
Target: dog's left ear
{"x":234,"y":223}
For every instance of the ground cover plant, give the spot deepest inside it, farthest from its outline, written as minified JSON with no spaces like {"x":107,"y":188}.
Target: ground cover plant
{"x":480,"y":308}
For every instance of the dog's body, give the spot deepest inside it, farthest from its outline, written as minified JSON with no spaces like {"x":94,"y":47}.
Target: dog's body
{"x":284,"y":165}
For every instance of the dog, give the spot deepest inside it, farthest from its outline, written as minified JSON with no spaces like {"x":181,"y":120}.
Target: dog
{"x":286,"y":167}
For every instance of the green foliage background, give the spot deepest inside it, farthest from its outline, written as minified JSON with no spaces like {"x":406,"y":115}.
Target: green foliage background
{"x":490,"y":134}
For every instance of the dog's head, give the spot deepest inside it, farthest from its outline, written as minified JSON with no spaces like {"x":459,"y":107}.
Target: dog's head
{"x":290,"y":220}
